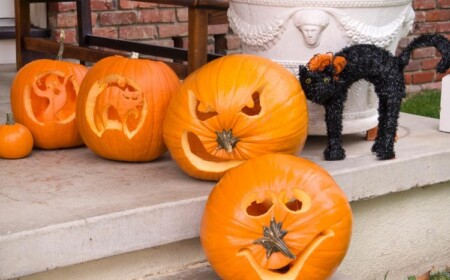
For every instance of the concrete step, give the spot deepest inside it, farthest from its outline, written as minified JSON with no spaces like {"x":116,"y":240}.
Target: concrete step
{"x":70,"y":207}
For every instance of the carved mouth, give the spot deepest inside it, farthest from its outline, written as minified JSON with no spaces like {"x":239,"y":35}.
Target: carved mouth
{"x":197,"y":154}
{"x":290,"y":271}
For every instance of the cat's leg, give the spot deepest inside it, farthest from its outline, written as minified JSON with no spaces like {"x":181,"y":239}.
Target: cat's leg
{"x":333,"y":119}
{"x":384,"y":148}
{"x":382,"y":112}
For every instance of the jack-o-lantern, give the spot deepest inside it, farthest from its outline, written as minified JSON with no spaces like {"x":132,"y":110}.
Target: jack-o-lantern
{"x":232,"y":109}
{"x":276,"y":217}
{"x":43,"y":98}
{"x":121,"y":107}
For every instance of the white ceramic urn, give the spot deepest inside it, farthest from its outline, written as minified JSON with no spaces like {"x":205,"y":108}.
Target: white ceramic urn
{"x":291,"y":32}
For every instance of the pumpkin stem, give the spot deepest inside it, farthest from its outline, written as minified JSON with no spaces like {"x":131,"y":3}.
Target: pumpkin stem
{"x":226,"y":140}
{"x":62,"y":36}
{"x":134,"y":55}
{"x":10,"y":119}
{"x":273,"y":240}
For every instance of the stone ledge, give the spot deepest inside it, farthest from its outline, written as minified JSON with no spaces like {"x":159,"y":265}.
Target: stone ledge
{"x":72,"y":206}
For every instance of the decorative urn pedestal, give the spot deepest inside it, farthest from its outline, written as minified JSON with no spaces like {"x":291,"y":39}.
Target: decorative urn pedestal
{"x":291,"y":32}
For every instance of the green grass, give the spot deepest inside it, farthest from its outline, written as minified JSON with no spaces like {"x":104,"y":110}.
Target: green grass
{"x":427,"y":104}
{"x":442,"y":275}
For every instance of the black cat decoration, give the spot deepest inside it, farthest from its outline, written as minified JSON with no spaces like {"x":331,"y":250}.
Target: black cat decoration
{"x":327,"y":77}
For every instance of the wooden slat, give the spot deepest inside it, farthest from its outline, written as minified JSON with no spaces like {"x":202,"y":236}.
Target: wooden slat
{"x":217,"y":17}
{"x":84,"y":53}
{"x":129,"y":46}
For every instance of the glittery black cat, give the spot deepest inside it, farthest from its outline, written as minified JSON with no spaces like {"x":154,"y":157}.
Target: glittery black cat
{"x":327,"y":84}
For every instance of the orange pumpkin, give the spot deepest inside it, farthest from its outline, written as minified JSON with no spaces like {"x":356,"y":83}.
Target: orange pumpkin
{"x":276,"y":217}
{"x":121,"y":106}
{"x":43,"y":98}
{"x":232,"y":109}
{"x":16,"y":140}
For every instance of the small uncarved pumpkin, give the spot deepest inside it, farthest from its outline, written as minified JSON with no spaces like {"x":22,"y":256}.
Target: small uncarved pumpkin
{"x":16,"y":140}
{"x":43,"y":98}
{"x":121,"y":106}
{"x":232,"y":109}
{"x":276,"y":217}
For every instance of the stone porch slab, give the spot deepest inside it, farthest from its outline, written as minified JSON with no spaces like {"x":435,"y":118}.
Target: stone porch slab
{"x":65,"y":207}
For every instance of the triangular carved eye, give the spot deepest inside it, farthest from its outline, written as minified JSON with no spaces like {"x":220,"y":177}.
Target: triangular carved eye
{"x":203,"y":113}
{"x":256,"y":108}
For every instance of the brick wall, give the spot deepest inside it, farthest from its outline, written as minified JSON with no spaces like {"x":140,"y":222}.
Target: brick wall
{"x":432,"y":16}
{"x":167,"y":25}
{"x":159,"y":24}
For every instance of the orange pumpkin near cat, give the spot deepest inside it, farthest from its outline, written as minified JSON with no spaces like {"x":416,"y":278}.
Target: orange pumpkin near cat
{"x":43,"y":98}
{"x":276,"y":217}
{"x":232,"y":109}
{"x":121,"y":106}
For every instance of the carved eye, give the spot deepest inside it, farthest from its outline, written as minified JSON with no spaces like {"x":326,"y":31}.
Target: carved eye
{"x":299,"y":202}
{"x":203,"y":113}
{"x":326,"y":80}
{"x":308,"y":80}
{"x":256,"y":208}
{"x":256,"y":108}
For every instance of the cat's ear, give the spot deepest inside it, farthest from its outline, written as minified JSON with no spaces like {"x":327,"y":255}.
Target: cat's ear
{"x":302,"y":70}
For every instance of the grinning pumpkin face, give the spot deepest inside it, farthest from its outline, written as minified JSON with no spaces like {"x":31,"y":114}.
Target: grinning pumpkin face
{"x":233,"y":109}
{"x":43,"y":97}
{"x":121,"y":106}
{"x":276,"y":217}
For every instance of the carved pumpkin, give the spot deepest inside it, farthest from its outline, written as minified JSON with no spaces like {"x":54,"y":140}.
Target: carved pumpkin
{"x":121,"y":106}
{"x":276,"y":217}
{"x":232,"y":109}
{"x":43,"y":98}
{"x":16,"y":140}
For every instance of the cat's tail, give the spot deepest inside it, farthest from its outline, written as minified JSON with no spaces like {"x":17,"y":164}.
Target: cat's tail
{"x":429,"y":40}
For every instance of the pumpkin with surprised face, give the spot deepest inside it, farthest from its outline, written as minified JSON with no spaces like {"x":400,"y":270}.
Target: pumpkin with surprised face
{"x":233,"y":109}
{"x":276,"y":217}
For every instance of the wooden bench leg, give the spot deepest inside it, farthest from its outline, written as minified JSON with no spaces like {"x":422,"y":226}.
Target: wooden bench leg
{"x":23,"y":26}
{"x":198,"y":38}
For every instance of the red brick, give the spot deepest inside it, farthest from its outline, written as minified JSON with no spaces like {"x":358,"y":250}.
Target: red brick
{"x":70,"y":35}
{"x":137,"y":32}
{"x":437,"y":15}
{"x":424,"y":4}
{"x":408,"y":78}
{"x":425,"y":28}
{"x":94,"y":17}
{"x":233,"y":42}
{"x":444,"y":3}
{"x":171,"y":30}
{"x":182,"y":14}
{"x":420,"y":16}
{"x":118,"y":18}
{"x":424,"y":53}
{"x":62,"y":7}
{"x":102,"y":5}
{"x":156,"y":15}
{"x":423,"y":77}
{"x":430,"y":64}
{"x":413,"y":65}
{"x":217,"y":29}
{"x":127,"y":5}
{"x":109,"y":32}
{"x":443,"y":27}
{"x":64,"y":20}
